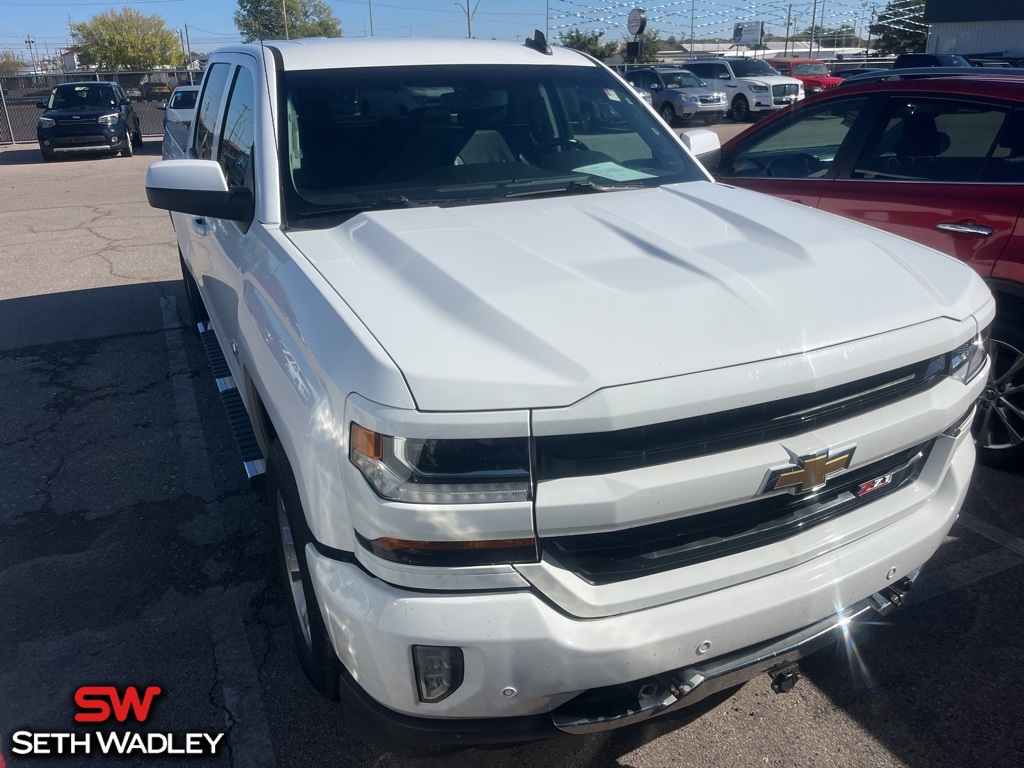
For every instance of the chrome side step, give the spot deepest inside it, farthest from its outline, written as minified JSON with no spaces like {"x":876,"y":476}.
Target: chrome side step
{"x":238,"y":418}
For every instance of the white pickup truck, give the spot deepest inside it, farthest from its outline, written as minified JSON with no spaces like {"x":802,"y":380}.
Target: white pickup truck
{"x":558,"y":432}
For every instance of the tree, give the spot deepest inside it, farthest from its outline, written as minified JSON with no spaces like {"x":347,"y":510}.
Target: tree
{"x":588,"y":42}
{"x":11,"y":63}
{"x":125,"y":39}
{"x":900,"y":27}
{"x":653,"y":45}
{"x":263,"y":20}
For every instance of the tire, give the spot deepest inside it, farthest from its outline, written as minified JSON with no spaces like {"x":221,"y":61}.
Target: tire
{"x":668,"y":114}
{"x":137,"y":136}
{"x":740,"y":109}
{"x":126,"y":147}
{"x":713,"y":118}
{"x":48,"y":157}
{"x":998,"y":427}
{"x":312,"y":643}
{"x":195,"y":310}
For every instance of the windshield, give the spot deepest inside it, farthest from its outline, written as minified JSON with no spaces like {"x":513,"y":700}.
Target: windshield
{"x":81,"y":95}
{"x":682,"y":80}
{"x":361,"y":139}
{"x":752,"y":68}
{"x":183,"y":100}
{"x":810,"y":69}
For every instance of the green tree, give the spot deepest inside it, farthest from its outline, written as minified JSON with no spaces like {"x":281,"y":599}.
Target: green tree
{"x":125,"y":39}
{"x":653,"y":46}
{"x":263,"y":20}
{"x":588,"y":42}
{"x":900,"y":28}
{"x":11,"y":63}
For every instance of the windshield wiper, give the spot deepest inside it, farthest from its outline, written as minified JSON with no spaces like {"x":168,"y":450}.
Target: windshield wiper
{"x":388,"y":201}
{"x":576,"y":185}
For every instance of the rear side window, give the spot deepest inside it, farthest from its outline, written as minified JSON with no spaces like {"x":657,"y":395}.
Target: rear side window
{"x":210,"y":101}
{"x":937,"y":140}
{"x":235,"y":151}
{"x":183,"y":100}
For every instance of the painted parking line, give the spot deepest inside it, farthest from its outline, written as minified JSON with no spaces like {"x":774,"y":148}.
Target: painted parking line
{"x":992,"y":533}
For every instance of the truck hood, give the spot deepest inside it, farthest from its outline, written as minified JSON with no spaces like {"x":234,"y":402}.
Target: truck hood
{"x":538,"y":303}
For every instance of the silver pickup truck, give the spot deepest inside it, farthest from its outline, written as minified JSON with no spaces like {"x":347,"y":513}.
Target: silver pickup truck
{"x":558,"y":432}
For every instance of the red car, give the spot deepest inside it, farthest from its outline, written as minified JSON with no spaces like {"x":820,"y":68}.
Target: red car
{"x":939,"y":161}
{"x":813,"y":73}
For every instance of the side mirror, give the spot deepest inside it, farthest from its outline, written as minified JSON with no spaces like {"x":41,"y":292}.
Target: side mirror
{"x":125,"y":102}
{"x":197,"y":187}
{"x":41,"y":104}
{"x":725,"y":76}
{"x":654,"y":87}
{"x":162,"y":105}
{"x":705,"y":146}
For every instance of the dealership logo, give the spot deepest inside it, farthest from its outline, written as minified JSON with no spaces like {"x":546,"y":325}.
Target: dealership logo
{"x":107,"y":704}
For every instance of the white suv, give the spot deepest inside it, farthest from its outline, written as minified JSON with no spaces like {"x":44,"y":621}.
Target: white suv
{"x":558,"y":432}
{"x":751,"y":85}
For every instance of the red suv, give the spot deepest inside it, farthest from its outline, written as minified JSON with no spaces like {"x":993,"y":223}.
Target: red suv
{"x":939,"y":161}
{"x":813,"y":73}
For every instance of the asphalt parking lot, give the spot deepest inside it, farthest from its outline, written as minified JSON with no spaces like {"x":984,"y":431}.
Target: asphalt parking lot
{"x":134,"y":552}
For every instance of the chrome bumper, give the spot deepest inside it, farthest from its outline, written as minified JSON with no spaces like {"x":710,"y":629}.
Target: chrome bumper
{"x":644,"y":699}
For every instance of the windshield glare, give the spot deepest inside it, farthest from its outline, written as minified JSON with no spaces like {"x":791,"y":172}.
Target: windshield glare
{"x":682,"y":80}
{"x":360,"y":139}
{"x":810,"y":69}
{"x":753,"y":68}
{"x":82,"y":95}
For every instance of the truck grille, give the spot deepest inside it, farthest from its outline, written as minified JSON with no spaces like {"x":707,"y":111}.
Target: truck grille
{"x":81,"y":121}
{"x":790,"y":89}
{"x":604,"y":558}
{"x":582,"y":455}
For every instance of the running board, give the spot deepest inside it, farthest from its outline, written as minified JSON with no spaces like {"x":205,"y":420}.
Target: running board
{"x":238,"y":418}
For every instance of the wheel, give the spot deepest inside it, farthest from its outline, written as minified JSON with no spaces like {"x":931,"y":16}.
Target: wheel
{"x":740,"y":109}
{"x":195,"y":310}
{"x":999,"y":425}
{"x":668,"y":114}
{"x":48,"y":157}
{"x":126,"y":147}
{"x":713,"y":118}
{"x":312,"y":643}
{"x":137,"y":136}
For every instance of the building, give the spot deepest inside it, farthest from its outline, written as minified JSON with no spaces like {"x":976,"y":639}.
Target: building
{"x":971,"y":27}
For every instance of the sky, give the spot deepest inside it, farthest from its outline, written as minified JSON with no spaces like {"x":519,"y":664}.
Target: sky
{"x":210,"y":22}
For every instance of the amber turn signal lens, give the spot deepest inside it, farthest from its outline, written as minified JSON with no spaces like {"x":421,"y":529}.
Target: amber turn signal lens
{"x":367,"y":442}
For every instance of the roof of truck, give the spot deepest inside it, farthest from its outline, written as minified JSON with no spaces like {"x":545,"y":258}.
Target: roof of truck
{"x":331,"y":53}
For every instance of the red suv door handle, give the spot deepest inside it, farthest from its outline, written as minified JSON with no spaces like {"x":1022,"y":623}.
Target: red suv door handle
{"x":964,"y":229}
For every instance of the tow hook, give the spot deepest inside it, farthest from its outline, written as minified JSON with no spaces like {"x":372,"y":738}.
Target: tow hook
{"x":896,"y":593}
{"x":785,"y":677}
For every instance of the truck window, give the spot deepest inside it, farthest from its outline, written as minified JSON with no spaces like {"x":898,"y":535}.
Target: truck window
{"x":213,"y":94}
{"x":235,"y":150}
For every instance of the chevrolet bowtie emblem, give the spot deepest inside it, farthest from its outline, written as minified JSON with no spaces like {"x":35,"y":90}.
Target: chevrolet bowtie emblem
{"x":807,"y":473}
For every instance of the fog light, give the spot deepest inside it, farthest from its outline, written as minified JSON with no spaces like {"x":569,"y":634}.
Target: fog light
{"x":438,"y":671}
{"x":46,"y":142}
{"x":115,"y":139}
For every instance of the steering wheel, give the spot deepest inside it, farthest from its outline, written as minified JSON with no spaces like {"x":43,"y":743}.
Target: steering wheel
{"x":796,"y":166}
{"x":549,"y":146}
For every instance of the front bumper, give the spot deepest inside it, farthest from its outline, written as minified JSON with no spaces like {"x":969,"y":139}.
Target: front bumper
{"x":530,"y":666}
{"x":99,"y":139}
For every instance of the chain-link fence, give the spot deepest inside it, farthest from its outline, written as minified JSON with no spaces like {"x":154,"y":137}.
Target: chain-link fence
{"x":147,"y":90}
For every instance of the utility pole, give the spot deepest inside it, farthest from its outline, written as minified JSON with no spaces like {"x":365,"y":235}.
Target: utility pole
{"x":284,"y":13}
{"x":30,"y":41}
{"x":814,"y":21}
{"x":693,"y":3}
{"x":469,"y":16}
{"x":871,"y":23}
{"x":821,"y":28}
{"x":369,"y":3}
{"x":789,"y":21}
{"x":188,"y":56}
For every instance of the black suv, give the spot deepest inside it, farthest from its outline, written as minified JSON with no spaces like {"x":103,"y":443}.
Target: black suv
{"x":88,"y":117}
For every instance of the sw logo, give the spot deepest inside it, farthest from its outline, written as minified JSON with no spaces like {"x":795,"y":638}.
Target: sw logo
{"x":98,"y":702}
{"x":105,"y":704}
{"x":807,"y":473}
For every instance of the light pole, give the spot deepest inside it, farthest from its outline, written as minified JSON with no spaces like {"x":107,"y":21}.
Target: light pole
{"x":469,"y":16}
{"x":284,"y":13}
{"x":369,"y":3}
{"x":30,"y":41}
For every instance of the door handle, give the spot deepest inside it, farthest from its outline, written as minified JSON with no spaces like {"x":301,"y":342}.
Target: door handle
{"x":964,"y":229}
{"x":199,"y":225}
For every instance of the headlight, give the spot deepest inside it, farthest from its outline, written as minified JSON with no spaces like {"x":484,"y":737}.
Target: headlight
{"x":815,"y":89}
{"x":108,"y":120}
{"x":46,"y":122}
{"x":754,"y":88}
{"x":441,"y":471}
{"x":967,"y":360}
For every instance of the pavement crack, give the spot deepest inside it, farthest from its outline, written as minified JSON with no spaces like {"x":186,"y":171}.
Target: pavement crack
{"x":229,"y":716}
